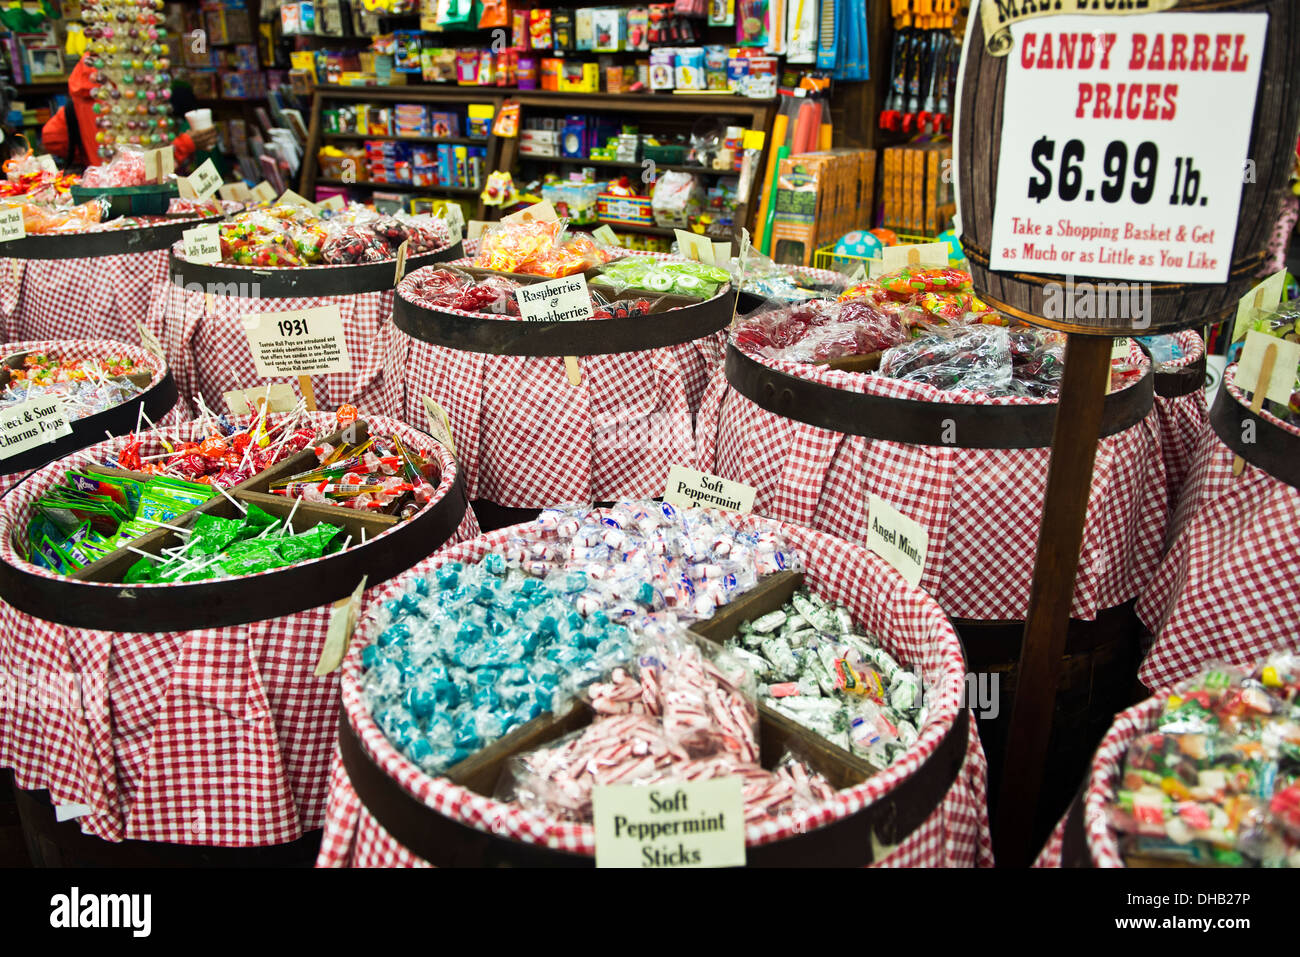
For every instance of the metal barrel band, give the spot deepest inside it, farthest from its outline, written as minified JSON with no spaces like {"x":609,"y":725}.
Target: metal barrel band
{"x":1274,"y":449}
{"x":920,"y":423}
{"x":121,"y":419}
{"x":235,"y":601}
{"x":846,"y":842}
{"x":592,"y":337}
{"x":294,"y":282}
{"x":109,"y":242}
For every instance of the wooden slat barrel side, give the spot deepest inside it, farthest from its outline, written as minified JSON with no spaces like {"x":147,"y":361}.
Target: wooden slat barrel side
{"x":1173,"y":305}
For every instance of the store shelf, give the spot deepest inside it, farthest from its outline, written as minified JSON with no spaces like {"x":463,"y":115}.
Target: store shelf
{"x":459,"y":140}
{"x":622,"y":164}
{"x":605,"y":101}
{"x":404,"y":187}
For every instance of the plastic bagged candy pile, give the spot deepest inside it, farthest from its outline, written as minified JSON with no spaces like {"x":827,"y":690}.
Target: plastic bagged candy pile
{"x":815,"y":669}
{"x":216,"y":547}
{"x":292,"y":235}
{"x":538,"y":248}
{"x":926,"y":296}
{"x":476,"y":650}
{"x":126,"y":168}
{"x":819,"y":330}
{"x":25,"y":176}
{"x":1218,"y":781}
{"x":677,"y":714}
{"x":664,"y":277}
{"x":89,"y":515}
{"x":446,"y":287}
{"x":372,"y":476}
{"x":988,"y":359}
{"x":772,"y":281}
{"x":83,"y":387}
{"x":1163,"y":349}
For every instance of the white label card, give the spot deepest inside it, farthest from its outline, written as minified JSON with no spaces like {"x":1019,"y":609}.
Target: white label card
{"x":557,"y":300}
{"x":280,"y":398}
{"x":67,"y":812}
{"x":264,"y":192}
{"x":1106,"y":168}
{"x":202,"y":244}
{"x":401,"y":261}
{"x":542,"y":212}
{"x":290,"y":198}
{"x":205,"y":181}
{"x":46,"y":162}
{"x":236,"y":193}
{"x":335,"y":202}
{"x":1119,"y":349}
{"x":29,"y":424}
{"x":159,"y":164}
{"x":671,"y":825}
{"x":1265,"y":297}
{"x":694,"y":246}
{"x":1282,"y":382}
{"x":897,"y":539}
{"x":931,"y":255}
{"x":343,"y":622}
{"x":474,"y":228}
{"x":11,"y":224}
{"x":439,"y":424}
{"x":687,"y":487}
{"x":298,"y":342}
{"x":604,"y":236}
{"x":150,"y":341}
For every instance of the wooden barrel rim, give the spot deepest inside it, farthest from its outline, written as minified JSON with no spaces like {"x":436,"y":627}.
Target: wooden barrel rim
{"x":236,"y":601}
{"x":592,"y":337}
{"x":157,"y":400}
{"x":1274,"y":449}
{"x":291,"y":282}
{"x":122,"y":242}
{"x":844,"y":842}
{"x":920,"y":423}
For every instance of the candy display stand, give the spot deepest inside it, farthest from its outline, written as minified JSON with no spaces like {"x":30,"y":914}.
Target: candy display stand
{"x":200,"y":721}
{"x":1221,"y":593}
{"x":1083,"y":837}
{"x":815,"y":442}
{"x":203,"y":332}
{"x":157,"y":400}
{"x":927,"y":809}
{"x":90,"y":285}
{"x":524,"y":434}
{"x":1181,"y":411}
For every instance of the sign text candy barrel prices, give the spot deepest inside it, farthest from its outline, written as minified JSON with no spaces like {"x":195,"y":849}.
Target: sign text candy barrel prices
{"x":1124,"y":144}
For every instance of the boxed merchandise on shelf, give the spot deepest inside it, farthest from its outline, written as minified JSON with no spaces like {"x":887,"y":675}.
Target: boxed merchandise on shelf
{"x":819,"y":197}
{"x":918,"y":196}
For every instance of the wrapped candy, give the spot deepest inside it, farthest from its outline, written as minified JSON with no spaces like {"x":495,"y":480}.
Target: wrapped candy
{"x":84,"y":387}
{"x":373,"y":476}
{"x":663,"y":276}
{"x":126,"y":168}
{"x":910,"y":280}
{"x":993,"y":360}
{"x":821,"y":329}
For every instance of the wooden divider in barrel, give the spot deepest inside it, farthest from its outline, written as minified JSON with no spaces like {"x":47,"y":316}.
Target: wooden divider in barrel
{"x":156,"y":398}
{"x":1244,"y":200}
{"x":218,"y":667}
{"x":385,"y":811}
{"x":1102,"y":651}
{"x":526,"y":433}
{"x":203,"y":330}
{"x":88,"y":285}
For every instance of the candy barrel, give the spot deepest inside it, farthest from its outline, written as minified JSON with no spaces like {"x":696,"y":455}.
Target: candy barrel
{"x":1219,"y":594}
{"x":970,"y":470}
{"x":196,"y":717}
{"x":926,"y":809}
{"x":1181,"y":409}
{"x":821,"y":282}
{"x":155,"y":399}
{"x":94,"y":284}
{"x":203,"y":329}
{"x":1029,"y":296}
{"x":525,"y":436}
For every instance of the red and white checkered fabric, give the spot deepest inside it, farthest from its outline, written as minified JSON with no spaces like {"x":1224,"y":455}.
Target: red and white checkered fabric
{"x":1103,"y":776}
{"x":100,"y":297}
{"x":526,"y":438}
{"x":218,"y":736}
{"x":84,"y":349}
{"x":1225,"y":591}
{"x":204,"y":339}
{"x":907,"y":621}
{"x":1183,"y":420}
{"x":980,"y":507}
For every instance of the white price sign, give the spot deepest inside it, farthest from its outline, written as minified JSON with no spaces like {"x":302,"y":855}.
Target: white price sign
{"x":687,"y":487}
{"x":557,"y":300}
{"x":29,"y":424}
{"x":679,"y":824}
{"x":202,"y":244}
{"x":298,"y":342}
{"x":205,"y":181}
{"x":11,"y":224}
{"x":1124,"y":143}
